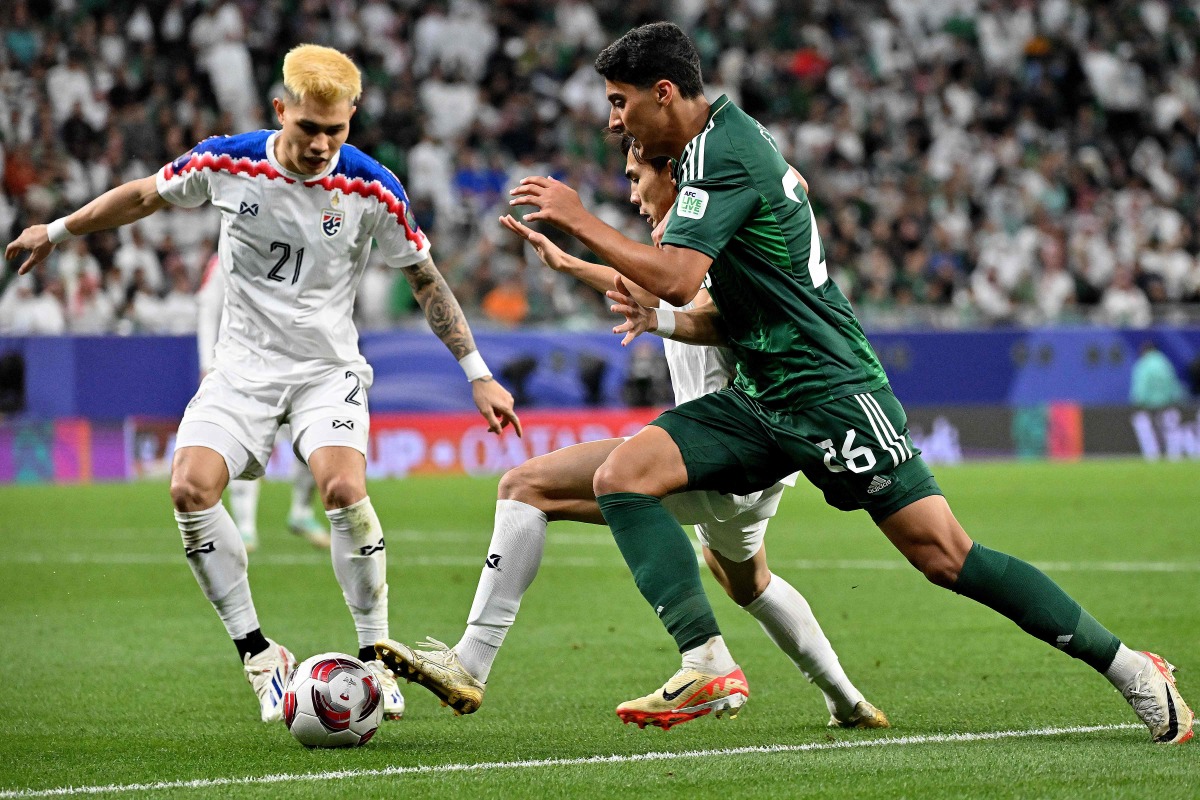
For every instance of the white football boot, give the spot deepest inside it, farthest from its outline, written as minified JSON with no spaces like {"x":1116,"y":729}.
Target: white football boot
{"x":393,"y":701}
{"x":437,"y":669}
{"x":1153,"y":695}
{"x":268,"y":673}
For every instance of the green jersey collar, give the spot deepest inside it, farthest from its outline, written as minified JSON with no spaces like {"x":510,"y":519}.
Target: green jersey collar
{"x":697,"y":141}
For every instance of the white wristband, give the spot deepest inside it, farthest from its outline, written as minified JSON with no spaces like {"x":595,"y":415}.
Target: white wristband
{"x":57,"y":231}
{"x":666,"y":322}
{"x":473,"y":365}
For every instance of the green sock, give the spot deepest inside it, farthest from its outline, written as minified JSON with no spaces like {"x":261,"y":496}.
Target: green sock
{"x":663,"y":563}
{"x":1028,"y":597}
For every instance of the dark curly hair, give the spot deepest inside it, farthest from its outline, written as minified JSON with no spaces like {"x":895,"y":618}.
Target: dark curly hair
{"x":651,"y":53}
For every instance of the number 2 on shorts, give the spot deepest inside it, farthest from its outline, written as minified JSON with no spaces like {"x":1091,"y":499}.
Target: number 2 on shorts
{"x":352,"y":398}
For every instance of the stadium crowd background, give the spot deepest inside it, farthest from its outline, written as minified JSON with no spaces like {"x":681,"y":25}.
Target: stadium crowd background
{"x":973,"y":163}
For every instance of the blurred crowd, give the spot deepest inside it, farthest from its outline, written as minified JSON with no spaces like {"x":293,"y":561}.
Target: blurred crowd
{"x":973,"y":162}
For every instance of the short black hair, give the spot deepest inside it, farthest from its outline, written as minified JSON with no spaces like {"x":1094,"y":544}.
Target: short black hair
{"x":658,"y":164}
{"x":651,"y":53}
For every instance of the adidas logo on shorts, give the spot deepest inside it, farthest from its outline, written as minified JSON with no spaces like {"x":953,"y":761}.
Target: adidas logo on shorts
{"x":878,"y":484}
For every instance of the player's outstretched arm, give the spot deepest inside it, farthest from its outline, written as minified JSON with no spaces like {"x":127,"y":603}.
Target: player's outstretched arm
{"x":119,"y":206}
{"x":446,"y":318}
{"x":700,"y":325}
{"x":672,"y":273}
{"x":597,"y":276}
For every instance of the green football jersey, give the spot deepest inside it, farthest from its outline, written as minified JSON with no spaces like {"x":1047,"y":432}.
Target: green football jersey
{"x":793,"y":333}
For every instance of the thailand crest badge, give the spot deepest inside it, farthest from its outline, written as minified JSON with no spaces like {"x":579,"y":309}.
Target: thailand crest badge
{"x":331,"y":222}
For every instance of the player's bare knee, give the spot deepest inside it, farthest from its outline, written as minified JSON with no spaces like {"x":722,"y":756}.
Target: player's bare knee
{"x":613,"y":477}
{"x":948,"y":553}
{"x":746,"y":588}
{"x":939,"y":568}
{"x":189,"y":494}
{"x":762,"y":579}
{"x":525,"y":484}
{"x":931,"y":539}
{"x":743,"y":595}
{"x":340,"y":491}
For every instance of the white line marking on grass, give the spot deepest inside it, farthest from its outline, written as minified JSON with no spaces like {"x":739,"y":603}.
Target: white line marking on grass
{"x":636,"y":758}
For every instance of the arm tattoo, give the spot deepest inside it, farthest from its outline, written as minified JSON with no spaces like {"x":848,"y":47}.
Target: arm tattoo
{"x":442,"y":310}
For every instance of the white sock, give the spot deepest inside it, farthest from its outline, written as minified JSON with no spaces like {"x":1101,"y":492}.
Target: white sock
{"x":514,"y":555}
{"x":360,"y":564}
{"x":304,"y":485}
{"x":787,"y":618}
{"x":1124,"y":667}
{"x":712,"y":657}
{"x":243,"y":503}
{"x":217,"y":557}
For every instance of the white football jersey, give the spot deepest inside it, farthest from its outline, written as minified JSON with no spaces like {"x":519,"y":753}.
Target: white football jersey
{"x":210,"y":298}
{"x":696,"y":370}
{"x":292,"y":250}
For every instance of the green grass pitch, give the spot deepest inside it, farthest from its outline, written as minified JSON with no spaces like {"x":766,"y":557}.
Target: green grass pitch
{"x":117,"y":673}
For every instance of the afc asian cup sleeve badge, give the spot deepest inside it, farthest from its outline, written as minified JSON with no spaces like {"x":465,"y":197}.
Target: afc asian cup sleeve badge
{"x":331,"y":222}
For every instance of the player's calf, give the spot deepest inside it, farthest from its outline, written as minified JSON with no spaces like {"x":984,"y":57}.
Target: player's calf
{"x":359,"y":556}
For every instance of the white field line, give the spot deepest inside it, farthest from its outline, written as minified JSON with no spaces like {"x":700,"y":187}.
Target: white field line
{"x":433,"y":769}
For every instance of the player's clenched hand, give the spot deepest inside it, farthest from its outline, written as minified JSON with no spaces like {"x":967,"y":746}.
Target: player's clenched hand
{"x":36,"y":240}
{"x":555,"y":202}
{"x":638,"y":318}
{"x":496,"y":405}
{"x":550,"y":253}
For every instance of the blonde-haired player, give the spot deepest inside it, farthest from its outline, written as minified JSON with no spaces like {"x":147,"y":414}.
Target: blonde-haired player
{"x":311,"y":71}
{"x":300,"y":210}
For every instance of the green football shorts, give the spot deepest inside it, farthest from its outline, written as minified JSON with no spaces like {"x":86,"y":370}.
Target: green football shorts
{"x":856,"y":449}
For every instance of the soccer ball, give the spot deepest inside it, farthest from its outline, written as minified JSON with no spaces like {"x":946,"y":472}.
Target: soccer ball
{"x":332,"y":700}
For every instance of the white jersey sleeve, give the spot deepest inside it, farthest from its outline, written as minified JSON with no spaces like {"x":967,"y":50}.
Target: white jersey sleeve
{"x":696,"y":370}
{"x":182,"y":187}
{"x":401,"y":241}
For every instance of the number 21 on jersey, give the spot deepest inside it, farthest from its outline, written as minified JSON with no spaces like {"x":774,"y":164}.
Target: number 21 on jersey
{"x":276,"y":273}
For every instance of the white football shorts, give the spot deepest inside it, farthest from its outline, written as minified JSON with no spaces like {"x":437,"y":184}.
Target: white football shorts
{"x":239,"y":420}
{"x":731,"y":524}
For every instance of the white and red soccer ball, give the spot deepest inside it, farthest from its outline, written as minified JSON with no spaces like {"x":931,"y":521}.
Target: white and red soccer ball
{"x":332,"y":700}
